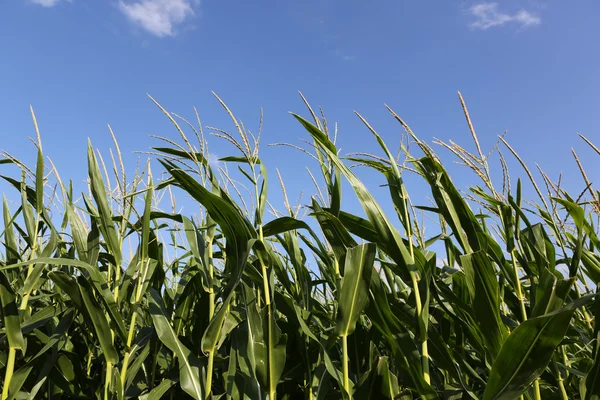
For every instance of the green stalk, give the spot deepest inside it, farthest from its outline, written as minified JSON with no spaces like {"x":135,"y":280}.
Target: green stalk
{"x":536,"y":383}
{"x":211,"y":313}
{"x":211,"y":290}
{"x":272,"y":387}
{"x":209,"y":374}
{"x":419,"y":307}
{"x":518,"y":287}
{"x":107,"y":381}
{"x":424,"y":347}
{"x":128,"y":353}
{"x":138,"y":297}
{"x":266,"y":288}
{"x":559,"y":378}
{"x":536,"y":390}
{"x":117,"y":279}
{"x":308,"y":374}
{"x":144,"y":260}
{"x":32,"y":255}
{"x":89,"y":363}
{"x":565,"y":359}
{"x":586,"y":315}
{"x":10,"y":367}
{"x":345,"y":363}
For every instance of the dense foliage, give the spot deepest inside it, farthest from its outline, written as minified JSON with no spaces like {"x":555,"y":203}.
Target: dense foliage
{"x":107,"y":295}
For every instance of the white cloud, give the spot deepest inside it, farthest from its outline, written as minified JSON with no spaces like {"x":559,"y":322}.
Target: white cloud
{"x":45,"y":3}
{"x":487,"y":16}
{"x":214,"y":160}
{"x":158,"y":17}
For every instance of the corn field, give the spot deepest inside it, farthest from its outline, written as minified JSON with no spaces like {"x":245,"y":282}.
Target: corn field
{"x":110,"y":294}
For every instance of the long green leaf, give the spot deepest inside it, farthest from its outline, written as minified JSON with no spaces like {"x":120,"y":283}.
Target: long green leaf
{"x":100,"y":323}
{"x":483,"y":286}
{"x":189,"y":365}
{"x":107,"y":226}
{"x":10,"y":314}
{"x":98,"y":280}
{"x":527,"y":351}
{"x":354,"y":292}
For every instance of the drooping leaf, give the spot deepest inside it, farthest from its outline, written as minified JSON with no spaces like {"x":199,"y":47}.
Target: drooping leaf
{"x":527,"y":351}
{"x":189,"y":365}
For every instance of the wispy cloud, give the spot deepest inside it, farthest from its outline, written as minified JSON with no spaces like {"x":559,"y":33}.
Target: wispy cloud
{"x":159,"y":17}
{"x":487,"y":16}
{"x":214,"y":160}
{"x":45,"y":3}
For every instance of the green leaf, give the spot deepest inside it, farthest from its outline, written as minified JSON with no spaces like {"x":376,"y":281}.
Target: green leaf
{"x":268,"y":344}
{"x":590,"y":384}
{"x":386,"y":232}
{"x":451,"y":204}
{"x":158,"y":392}
{"x":10,"y":314}
{"x":144,"y":245}
{"x":33,"y":279}
{"x":389,"y":381}
{"x":282,"y":225}
{"x":12,"y":249}
{"x":189,"y":365}
{"x":334,"y":231}
{"x":98,"y":280}
{"x":107,"y":226}
{"x":212,"y":334}
{"x":39,"y":182}
{"x":483,"y":286}
{"x":56,"y":342}
{"x":354,"y":292}
{"x":69,"y":286}
{"x":99,"y":321}
{"x":136,"y":364}
{"x":527,"y":351}
{"x":262,"y":197}
{"x":28,"y":217}
{"x":402,"y":346}
{"x":236,"y":228}
{"x":591,"y":381}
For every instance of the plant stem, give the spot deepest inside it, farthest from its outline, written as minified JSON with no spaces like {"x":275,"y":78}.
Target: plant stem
{"x":137,"y":298}
{"x":424,"y":347}
{"x":536,"y":383}
{"x":536,"y":390}
{"x":272,"y":384}
{"x":211,"y":290}
{"x":10,"y":367}
{"x":209,"y":374}
{"x":211,"y":313}
{"x":563,"y":392}
{"x":89,"y":363}
{"x":308,"y":373}
{"x":117,"y":280}
{"x":32,"y":255}
{"x":345,"y":363}
{"x":128,"y":354}
{"x":107,"y":380}
{"x":518,"y":287}
{"x":267,"y":290}
{"x":560,"y":380}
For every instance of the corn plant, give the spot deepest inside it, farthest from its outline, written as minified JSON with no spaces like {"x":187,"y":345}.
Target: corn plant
{"x":116,"y":293}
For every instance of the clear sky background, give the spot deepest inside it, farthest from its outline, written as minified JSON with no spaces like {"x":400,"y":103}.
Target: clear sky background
{"x":529,"y":67}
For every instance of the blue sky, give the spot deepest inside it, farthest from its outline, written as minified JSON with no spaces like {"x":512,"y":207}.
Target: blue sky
{"x":529,"y":67}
